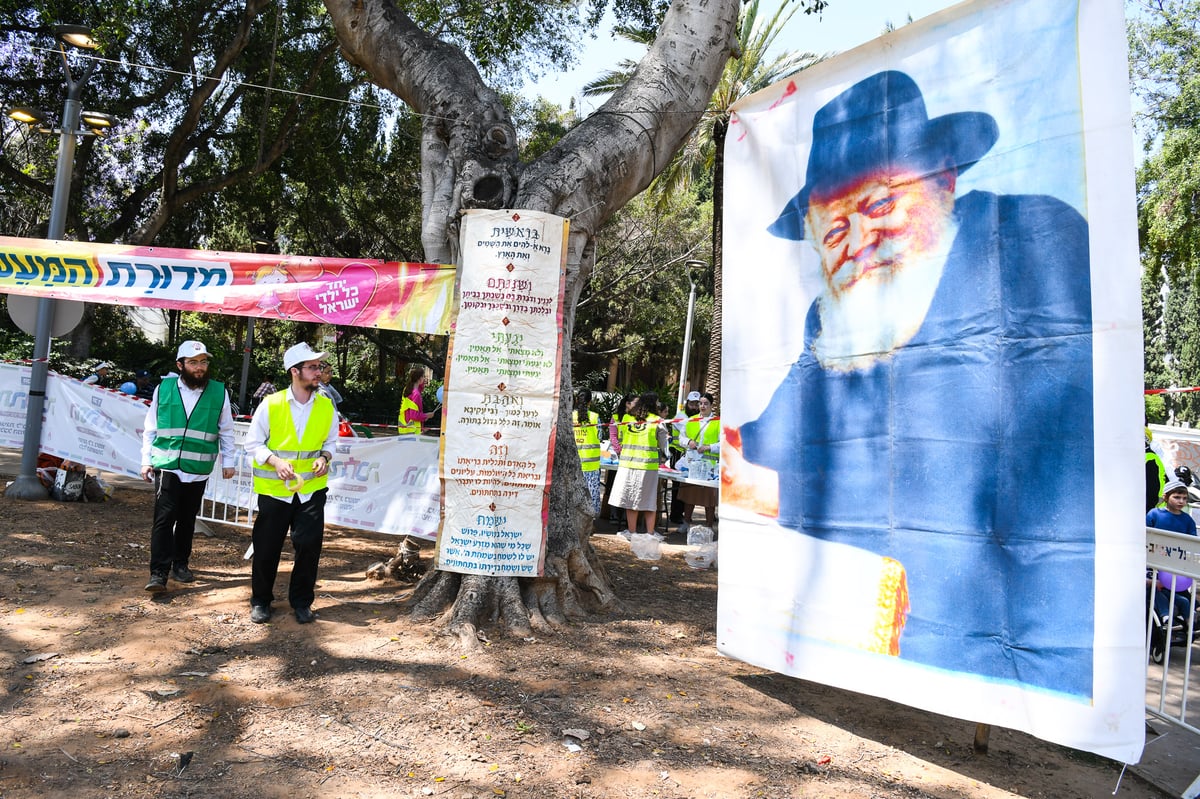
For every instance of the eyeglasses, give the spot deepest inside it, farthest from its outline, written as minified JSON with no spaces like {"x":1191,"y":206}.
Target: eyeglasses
{"x":196,"y":361}
{"x":326,"y":367}
{"x":314,"y":367}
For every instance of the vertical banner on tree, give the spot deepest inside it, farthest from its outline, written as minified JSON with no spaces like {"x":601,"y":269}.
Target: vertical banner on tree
{"x":501,"y":400}
{"x":931,"y":486}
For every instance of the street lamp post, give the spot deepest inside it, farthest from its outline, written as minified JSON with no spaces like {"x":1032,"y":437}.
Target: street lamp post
{"x":27,"y":485}
{"x":687,"y":332}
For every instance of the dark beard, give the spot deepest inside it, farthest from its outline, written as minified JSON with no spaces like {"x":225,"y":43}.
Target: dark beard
{"x":191,"y":382}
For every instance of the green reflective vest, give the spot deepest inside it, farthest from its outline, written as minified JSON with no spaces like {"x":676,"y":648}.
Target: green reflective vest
{"x":587,"y":440}
{"x":188,"y":443}
{"x":302,"y":451}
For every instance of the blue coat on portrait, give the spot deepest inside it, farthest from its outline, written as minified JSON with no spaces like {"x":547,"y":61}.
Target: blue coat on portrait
{"x":966,"y":455}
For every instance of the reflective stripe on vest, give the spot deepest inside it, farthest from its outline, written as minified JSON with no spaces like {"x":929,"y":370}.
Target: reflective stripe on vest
{"x":639,"y":445}
{"x":183,"y":441}
{"x":301,"y":452}
{"x":587,"y":440}
{"x":414,"y":426}
{"x":710,"y":434}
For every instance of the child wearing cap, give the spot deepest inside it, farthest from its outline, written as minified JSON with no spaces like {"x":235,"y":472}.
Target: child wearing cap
{"x":1173,"y":517}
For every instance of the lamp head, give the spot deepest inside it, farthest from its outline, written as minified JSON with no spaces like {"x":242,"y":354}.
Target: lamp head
{"x":96,"y":122}
{"x":77,"y":36}
{"x":27,"y":115}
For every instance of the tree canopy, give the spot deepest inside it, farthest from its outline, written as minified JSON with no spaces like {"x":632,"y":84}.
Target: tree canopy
{"x":1164,"y":41}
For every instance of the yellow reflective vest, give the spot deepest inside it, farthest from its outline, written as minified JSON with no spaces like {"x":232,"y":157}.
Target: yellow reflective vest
{"x":414,"y":426}
{"x":302,"y":451}
{"x":587,"y":440}
{"x":708,"y":435}
{"x":639,"y":445}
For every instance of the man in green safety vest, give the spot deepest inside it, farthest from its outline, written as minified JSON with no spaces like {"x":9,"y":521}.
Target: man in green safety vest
{"x":188,"y":425}
{"x":291,"y":440}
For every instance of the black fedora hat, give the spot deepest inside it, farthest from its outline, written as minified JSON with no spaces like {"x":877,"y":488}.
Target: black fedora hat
{"x":879,"y":124}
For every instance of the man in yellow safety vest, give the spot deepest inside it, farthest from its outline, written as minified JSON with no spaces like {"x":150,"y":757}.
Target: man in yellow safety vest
{"x":291,"y":438}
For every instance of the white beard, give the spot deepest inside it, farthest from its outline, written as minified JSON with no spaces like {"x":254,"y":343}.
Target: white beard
{"x":877,"y":316}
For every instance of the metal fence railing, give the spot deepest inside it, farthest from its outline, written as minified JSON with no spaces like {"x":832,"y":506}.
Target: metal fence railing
{"x":1173,"y":674}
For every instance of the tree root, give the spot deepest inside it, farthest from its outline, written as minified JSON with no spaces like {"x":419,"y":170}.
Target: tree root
{"x":572,"y":588}
{"x":406,"y":565}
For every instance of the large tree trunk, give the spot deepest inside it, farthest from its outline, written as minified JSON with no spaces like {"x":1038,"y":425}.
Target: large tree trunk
{"x":470,"y":160}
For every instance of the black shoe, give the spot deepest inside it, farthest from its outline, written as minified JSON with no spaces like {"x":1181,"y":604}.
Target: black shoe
{"x":305,"y":616}
{"x":260,"y":614}
{"x":157,"y":584}
{"x":182,"y":574}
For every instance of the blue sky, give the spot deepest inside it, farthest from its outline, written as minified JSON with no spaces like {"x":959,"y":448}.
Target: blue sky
{"x":843,"y":26}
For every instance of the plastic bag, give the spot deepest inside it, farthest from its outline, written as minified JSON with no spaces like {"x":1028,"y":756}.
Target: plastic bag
{"x":646,"y":546}
{"x":95,"y":489}
{"x":702,"y":550}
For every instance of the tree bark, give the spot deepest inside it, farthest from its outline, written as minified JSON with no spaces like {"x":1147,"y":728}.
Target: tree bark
{"x":470,"y":160}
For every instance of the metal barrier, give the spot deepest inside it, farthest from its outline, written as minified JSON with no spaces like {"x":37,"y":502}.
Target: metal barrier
{"x":1172,"y":675}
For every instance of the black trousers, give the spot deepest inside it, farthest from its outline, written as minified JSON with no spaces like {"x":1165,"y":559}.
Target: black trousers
{"x":176,"y":504}
{"x":306,"y":521}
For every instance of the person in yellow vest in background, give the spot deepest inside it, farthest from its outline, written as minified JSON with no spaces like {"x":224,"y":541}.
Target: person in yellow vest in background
{"x":412,"y":408}
{"x":1156,"y":475}
{"x":643,"y":441}
{"x":691,"y":407}
{"x":701,"y":440}
{"x":586,"y":424}
{"x":188,"y":425}
{"x":291,"y":439}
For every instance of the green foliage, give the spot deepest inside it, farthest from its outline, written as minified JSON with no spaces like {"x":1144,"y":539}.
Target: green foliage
{"x":541,"y":124}
{"x":1156,"y":409}
{"x":123,"y":344}
{"x":1164,"y":39}
{"x":634,"y":307}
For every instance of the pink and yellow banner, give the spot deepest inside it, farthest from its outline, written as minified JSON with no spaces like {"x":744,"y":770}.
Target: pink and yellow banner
{"x":392,"y":295}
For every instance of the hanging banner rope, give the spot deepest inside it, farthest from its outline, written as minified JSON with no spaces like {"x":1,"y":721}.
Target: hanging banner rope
{"x":391,"y":295}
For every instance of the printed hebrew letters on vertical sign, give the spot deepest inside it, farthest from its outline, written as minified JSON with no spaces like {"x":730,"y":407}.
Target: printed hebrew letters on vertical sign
{"x":501,"y":398}
{"x":929,"y":374}
{"x":338,"y":291}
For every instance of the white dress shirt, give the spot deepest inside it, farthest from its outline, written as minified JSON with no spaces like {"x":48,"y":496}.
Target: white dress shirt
{"x":190,"y":397}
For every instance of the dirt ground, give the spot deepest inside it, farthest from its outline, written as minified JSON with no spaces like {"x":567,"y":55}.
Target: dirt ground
{"x":108,"y":692}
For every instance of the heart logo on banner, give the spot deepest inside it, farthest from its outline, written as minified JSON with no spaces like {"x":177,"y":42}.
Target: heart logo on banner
{"x":340,"y":296}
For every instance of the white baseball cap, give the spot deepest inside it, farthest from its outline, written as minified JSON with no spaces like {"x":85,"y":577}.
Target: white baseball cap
{"x":299,"y":354}
{"x":190,"y":349}
{"x":693,"y":396}
{"x":101,"y":365}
